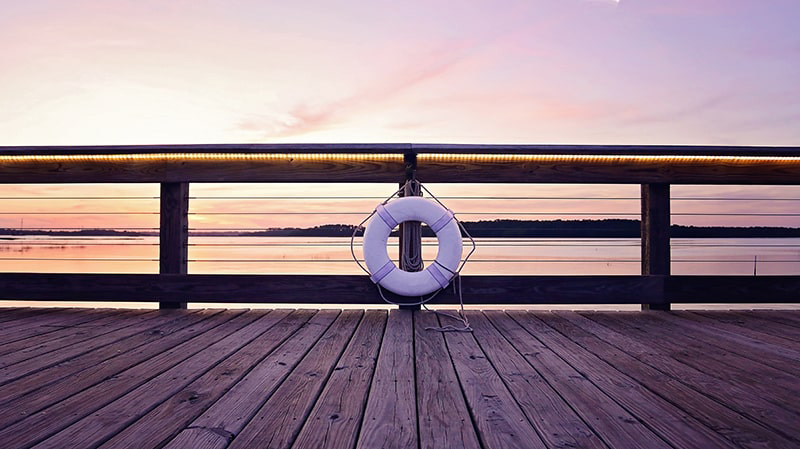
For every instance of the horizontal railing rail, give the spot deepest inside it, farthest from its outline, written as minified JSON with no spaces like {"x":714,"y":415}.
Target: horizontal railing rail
{"x":174,"y":167}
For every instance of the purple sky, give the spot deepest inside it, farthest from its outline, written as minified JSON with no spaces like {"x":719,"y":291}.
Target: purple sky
{"x":533,"y":71}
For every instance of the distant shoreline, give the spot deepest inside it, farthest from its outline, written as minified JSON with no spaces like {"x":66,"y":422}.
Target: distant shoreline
{"x":609,"y":228}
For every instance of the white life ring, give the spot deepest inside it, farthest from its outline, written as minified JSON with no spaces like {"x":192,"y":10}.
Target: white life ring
{"x":376,"y":236}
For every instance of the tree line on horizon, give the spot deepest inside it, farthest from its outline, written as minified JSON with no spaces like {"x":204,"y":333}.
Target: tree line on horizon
{"x":508,"y":228}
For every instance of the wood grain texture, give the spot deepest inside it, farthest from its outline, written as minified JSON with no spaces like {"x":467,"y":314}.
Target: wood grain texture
{"x":655,"y":226}
{"x":47,"y":324}
{"x":663,"y":417}
{"x":173,"y":236}
{"x":763,"y":349}
{"x":35,"y":427}
{"x":358,"y":289}
{"x":338,"y":289}
{"x":552,"y":417}
{"x":285,"y":169}
{"x":617,"y":426}
{"x":157,"y":426}
{"x":66,"y":335}
{"x":81,"y":338}
{"x":390,"y":417}
{"x":743,"y":401}
{"x":415,"y":148}
{"x":278,"y":422}
{"x":753,"y":325}
{"x":381,"y":169}
{"x":37,"y":390}
{"x":228,"y":415}
{"x":444,"y":420}
{"x":103,"y":423}
{"x":196,"y":378}
{"x":736,"y":428}
{"x":616,"y":172}
{"x":337,"y":414}
{"x":497,"y":416}
{"x":710,"y":354}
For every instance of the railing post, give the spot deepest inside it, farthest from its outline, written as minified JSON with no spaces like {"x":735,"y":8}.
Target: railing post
{"x":655,"y":234}
{"x":173,"y":236}
{"x":410,"y":231}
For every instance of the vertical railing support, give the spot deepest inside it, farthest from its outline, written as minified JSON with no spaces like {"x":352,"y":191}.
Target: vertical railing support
{"x":410,"y":231}
{"x":173,"y":237}
{"x":655,"y":235}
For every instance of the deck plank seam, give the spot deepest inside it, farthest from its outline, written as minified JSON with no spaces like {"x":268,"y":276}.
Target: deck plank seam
{"x":123,"y":392}
{"x":263,"y":400}
{"x":222,"y":432}
{"x":360,"y":423}
{"x":505,"y":384}
{"x":317,"y":395}
{"x":749,"y":415}
{"x":152,"y":406}
{"x":289,"y":317}
{"x":627,"y":409}
{"x":474,"y":419}
{"x":62,"y":378}
{"x":664,"y":397}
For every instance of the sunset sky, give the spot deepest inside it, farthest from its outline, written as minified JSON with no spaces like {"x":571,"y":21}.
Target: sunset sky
{"x":722,"y":72}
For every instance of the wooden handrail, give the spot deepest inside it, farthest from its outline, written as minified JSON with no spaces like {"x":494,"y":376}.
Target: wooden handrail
{"x":175,"y":166}
{"x":415,"y":148}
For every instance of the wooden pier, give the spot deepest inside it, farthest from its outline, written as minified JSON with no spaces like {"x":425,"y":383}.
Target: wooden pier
{"x":110,"y":378}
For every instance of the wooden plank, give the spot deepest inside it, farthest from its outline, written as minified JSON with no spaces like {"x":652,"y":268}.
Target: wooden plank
{"x":283,"y":168}
{"x":755,"y":347}
{"x":156,"y":427}
{"x":173,"y":236}
{"x":732,"y":289}
{"x":228,"y":415}
{"x":337,"y":415}
{"x":44,"y":423}
{"x":70,"y":336}
{"x":703,"y":353}
{"x":417,"y":148}
{"x":358,"y":289}
{"x":720,"y":418}
{"x":134,"y":325}
{"x":390,"y":418}
{"x":35,"y":326}
{"x":786,"y":317}
{"x":339,"y":289}
{"x":41,"y":388}
{"x":12,"y":316}
{"x":615,"y":171}
{"x":277,"y":422}
{"x":616,"y":426}
{"x":655,"y":225}
{"x":444,"y":420}
{"x":554,"y":420}
{"x":752,"y":325}
{"x":496,"y":415}
{"x":96,"y":427}
{"x":60,"y":332}
{"x":737,"y":396}
{"x":664,"y":418}
{"x":386,"y":165}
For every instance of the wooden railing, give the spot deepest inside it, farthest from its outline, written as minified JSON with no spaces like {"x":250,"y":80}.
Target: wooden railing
{"x":655,"y":168}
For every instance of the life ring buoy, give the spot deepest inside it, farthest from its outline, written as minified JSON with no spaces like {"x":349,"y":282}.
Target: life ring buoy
{"x":436,"y":275}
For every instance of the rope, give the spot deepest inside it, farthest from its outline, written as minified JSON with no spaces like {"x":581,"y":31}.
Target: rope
{"x":416,"y":260}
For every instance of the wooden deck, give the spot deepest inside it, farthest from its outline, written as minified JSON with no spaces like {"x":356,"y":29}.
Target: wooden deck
{"x":78,"y":378}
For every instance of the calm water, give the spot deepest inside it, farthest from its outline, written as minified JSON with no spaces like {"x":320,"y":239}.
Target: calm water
{"x":332,"y":255}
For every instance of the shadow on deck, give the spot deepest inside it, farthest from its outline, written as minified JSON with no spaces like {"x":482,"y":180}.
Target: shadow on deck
{"x":342,"y":379}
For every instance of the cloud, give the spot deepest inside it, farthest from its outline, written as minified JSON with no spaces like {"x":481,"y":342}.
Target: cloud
{"x":307,"y":115}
